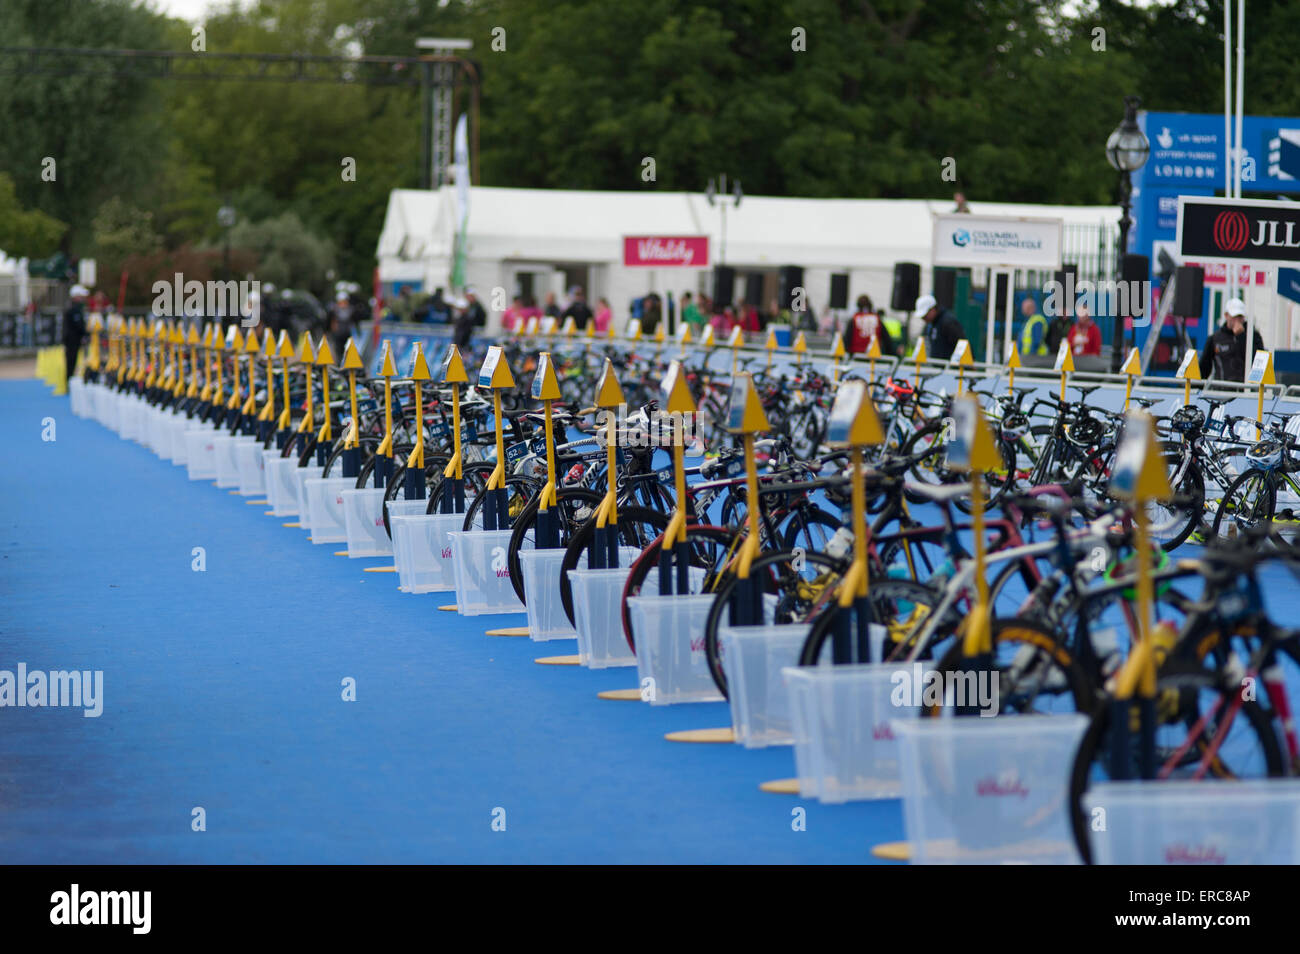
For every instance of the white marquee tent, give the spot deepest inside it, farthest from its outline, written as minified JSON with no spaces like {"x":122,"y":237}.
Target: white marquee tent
{"x":557,"y":236}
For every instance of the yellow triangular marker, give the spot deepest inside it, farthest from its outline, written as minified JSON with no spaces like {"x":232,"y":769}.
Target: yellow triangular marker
{"x":971,"y":446}
{"x":234,"y":339}
{"x":419,"y":366}
{"x":268,"y":345}
{"x":771,"y":343}
{"x":873,"y":349}
{"x":608,"y":391}
{"x":530,"y":326}
{"x":676,"y":393}
{"x":634,"y":329}
{"x":853,"y":420}
{"x":495,"y":372}
{"x":570,"y":326}
{"x":218,"y":344}
{"x":192,"y":336}
{"x":324,"y":353}
{"x":591,"y":329}
{"x":707,"y":339}
{"x":745,"y":413}
{"x":800,"y":344}
{"x":546,"y":386}
{"x":307,"y":353}
{"x":1139,"y":472}
{"x":1190,"y":369}
{"x":178,"y":336}
{"x":250,"y":342}
{"x":737,"y":337}
{"x":351,"y":357}
{"x":684,"y":333}
{"x":1133,"y":363}
{"x":837,"y":349}
{"x":205,"y":341}
{"x":1261,"y":369}
{"x":452,"y":369}
{"x":961,"y":355}
{"x":1064,"y":358}
{"x":661,"y":334}
{"x":919,"y":353}
{"x":1013,"y":359}
{"x":283,"y":346}
{"x":388,"y":367}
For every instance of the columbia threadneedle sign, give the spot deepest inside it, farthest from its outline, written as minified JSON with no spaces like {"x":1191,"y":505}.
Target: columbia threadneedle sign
{"x":1238,"y":230}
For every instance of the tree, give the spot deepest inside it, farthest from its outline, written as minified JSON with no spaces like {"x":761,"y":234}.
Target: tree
{"x":25,"y":233}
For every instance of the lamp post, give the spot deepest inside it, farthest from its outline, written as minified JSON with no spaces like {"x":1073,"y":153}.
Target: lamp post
{"x":226,"y":218}
{"x":716,"y":194}
{"x":1126,"y":150}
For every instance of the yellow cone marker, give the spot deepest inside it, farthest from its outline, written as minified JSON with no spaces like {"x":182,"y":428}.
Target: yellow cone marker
{"x":1064,"y":363}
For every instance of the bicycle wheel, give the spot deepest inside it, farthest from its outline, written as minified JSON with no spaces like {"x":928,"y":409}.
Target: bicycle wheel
{"x":637,"y":527}
{"x":1196,"y":735}
{"x":709,"y":549}
{"x":1170,"y":524}
{"x":802,"y":584}
{"x":573,"y":506}
{"x":901,"y":606}
{"x":518,"y":492}
{"x":809,"y":528}
{"x":1036,"y":674}
{"x":1250,"y":500}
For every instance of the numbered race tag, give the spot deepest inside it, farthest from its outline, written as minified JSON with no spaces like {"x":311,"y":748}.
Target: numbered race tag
{"x":1258,"y":368}
{"x":734,"y":467}
{"x":538,"y":445}
{"x":665,"y":474}
{"x":490,"y":362}
{"x":516,"y":452}
{"x":441,"y":429}
{"x":469,"y":432}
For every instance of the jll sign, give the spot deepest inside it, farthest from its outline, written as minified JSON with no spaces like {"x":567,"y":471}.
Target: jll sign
{"x":1236,"y":230}
{"x":666,"y":251}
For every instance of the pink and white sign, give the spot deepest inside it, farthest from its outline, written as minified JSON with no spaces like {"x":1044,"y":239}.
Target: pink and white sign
{"x":666,"y":251}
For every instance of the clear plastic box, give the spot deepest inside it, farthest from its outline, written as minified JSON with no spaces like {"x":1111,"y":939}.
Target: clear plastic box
{"x":1215,"y":822}
{"x":325,"y":508}
{"x":597,"y":615}
{"x":753,"y":658}
{"x":200,"y":454}
{"x":301,"y":475}
{"x":227,"y":463}
{"x":422,"y":546}
{"x":989,"y":790}
{"x":78,"y":399}
{"x":363,"y":520}
{"x":180,"y":424}
{"x":546,"y":618}
{"x":482,"y":573}
{"x":670,"y":647}
{"x":252,"y":469}
{"x":842,"y":723}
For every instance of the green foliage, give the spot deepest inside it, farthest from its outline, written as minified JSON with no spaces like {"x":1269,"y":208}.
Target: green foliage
{"x":1015,"y":91}
{"x":120,"y":230}
{"x":25,"y":233}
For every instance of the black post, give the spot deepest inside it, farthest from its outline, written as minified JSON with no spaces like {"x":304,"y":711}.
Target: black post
{"x":426,"y":125}
{"x":1125,"y":222}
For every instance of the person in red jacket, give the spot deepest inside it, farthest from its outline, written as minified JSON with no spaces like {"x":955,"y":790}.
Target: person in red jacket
{"x":863,"y":327}
{"x":1085,"y":336}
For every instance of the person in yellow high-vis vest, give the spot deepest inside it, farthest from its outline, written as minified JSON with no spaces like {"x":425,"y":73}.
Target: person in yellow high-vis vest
{"x":1033,"y":332}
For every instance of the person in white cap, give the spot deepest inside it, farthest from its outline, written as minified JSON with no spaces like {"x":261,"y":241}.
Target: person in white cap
{"x":942,"y":331}
{"x":74,"y":327}
{"x":1224,"y":356}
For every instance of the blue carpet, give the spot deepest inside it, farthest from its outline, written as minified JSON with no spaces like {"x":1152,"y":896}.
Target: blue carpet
{"x":223,"y":691}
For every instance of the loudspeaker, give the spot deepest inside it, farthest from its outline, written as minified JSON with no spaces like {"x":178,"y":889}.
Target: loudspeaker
{"x":999,"y":296}
{"x":791,"y":278}
{"x":754,"y":289}
{"x":907,"y":286}
{"x":1189,"y":291}
{"x":1134,"y":270}
{"x":945,"y":287}
{"x":724,"y":280}
{"x":1067,"y":280}
{"x":840,"y":290}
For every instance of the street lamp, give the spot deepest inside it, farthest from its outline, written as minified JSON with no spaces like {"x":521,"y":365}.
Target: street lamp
{"x":716,"y":194}
{"x":226,"y":218}
{"x":1126,"y":150}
